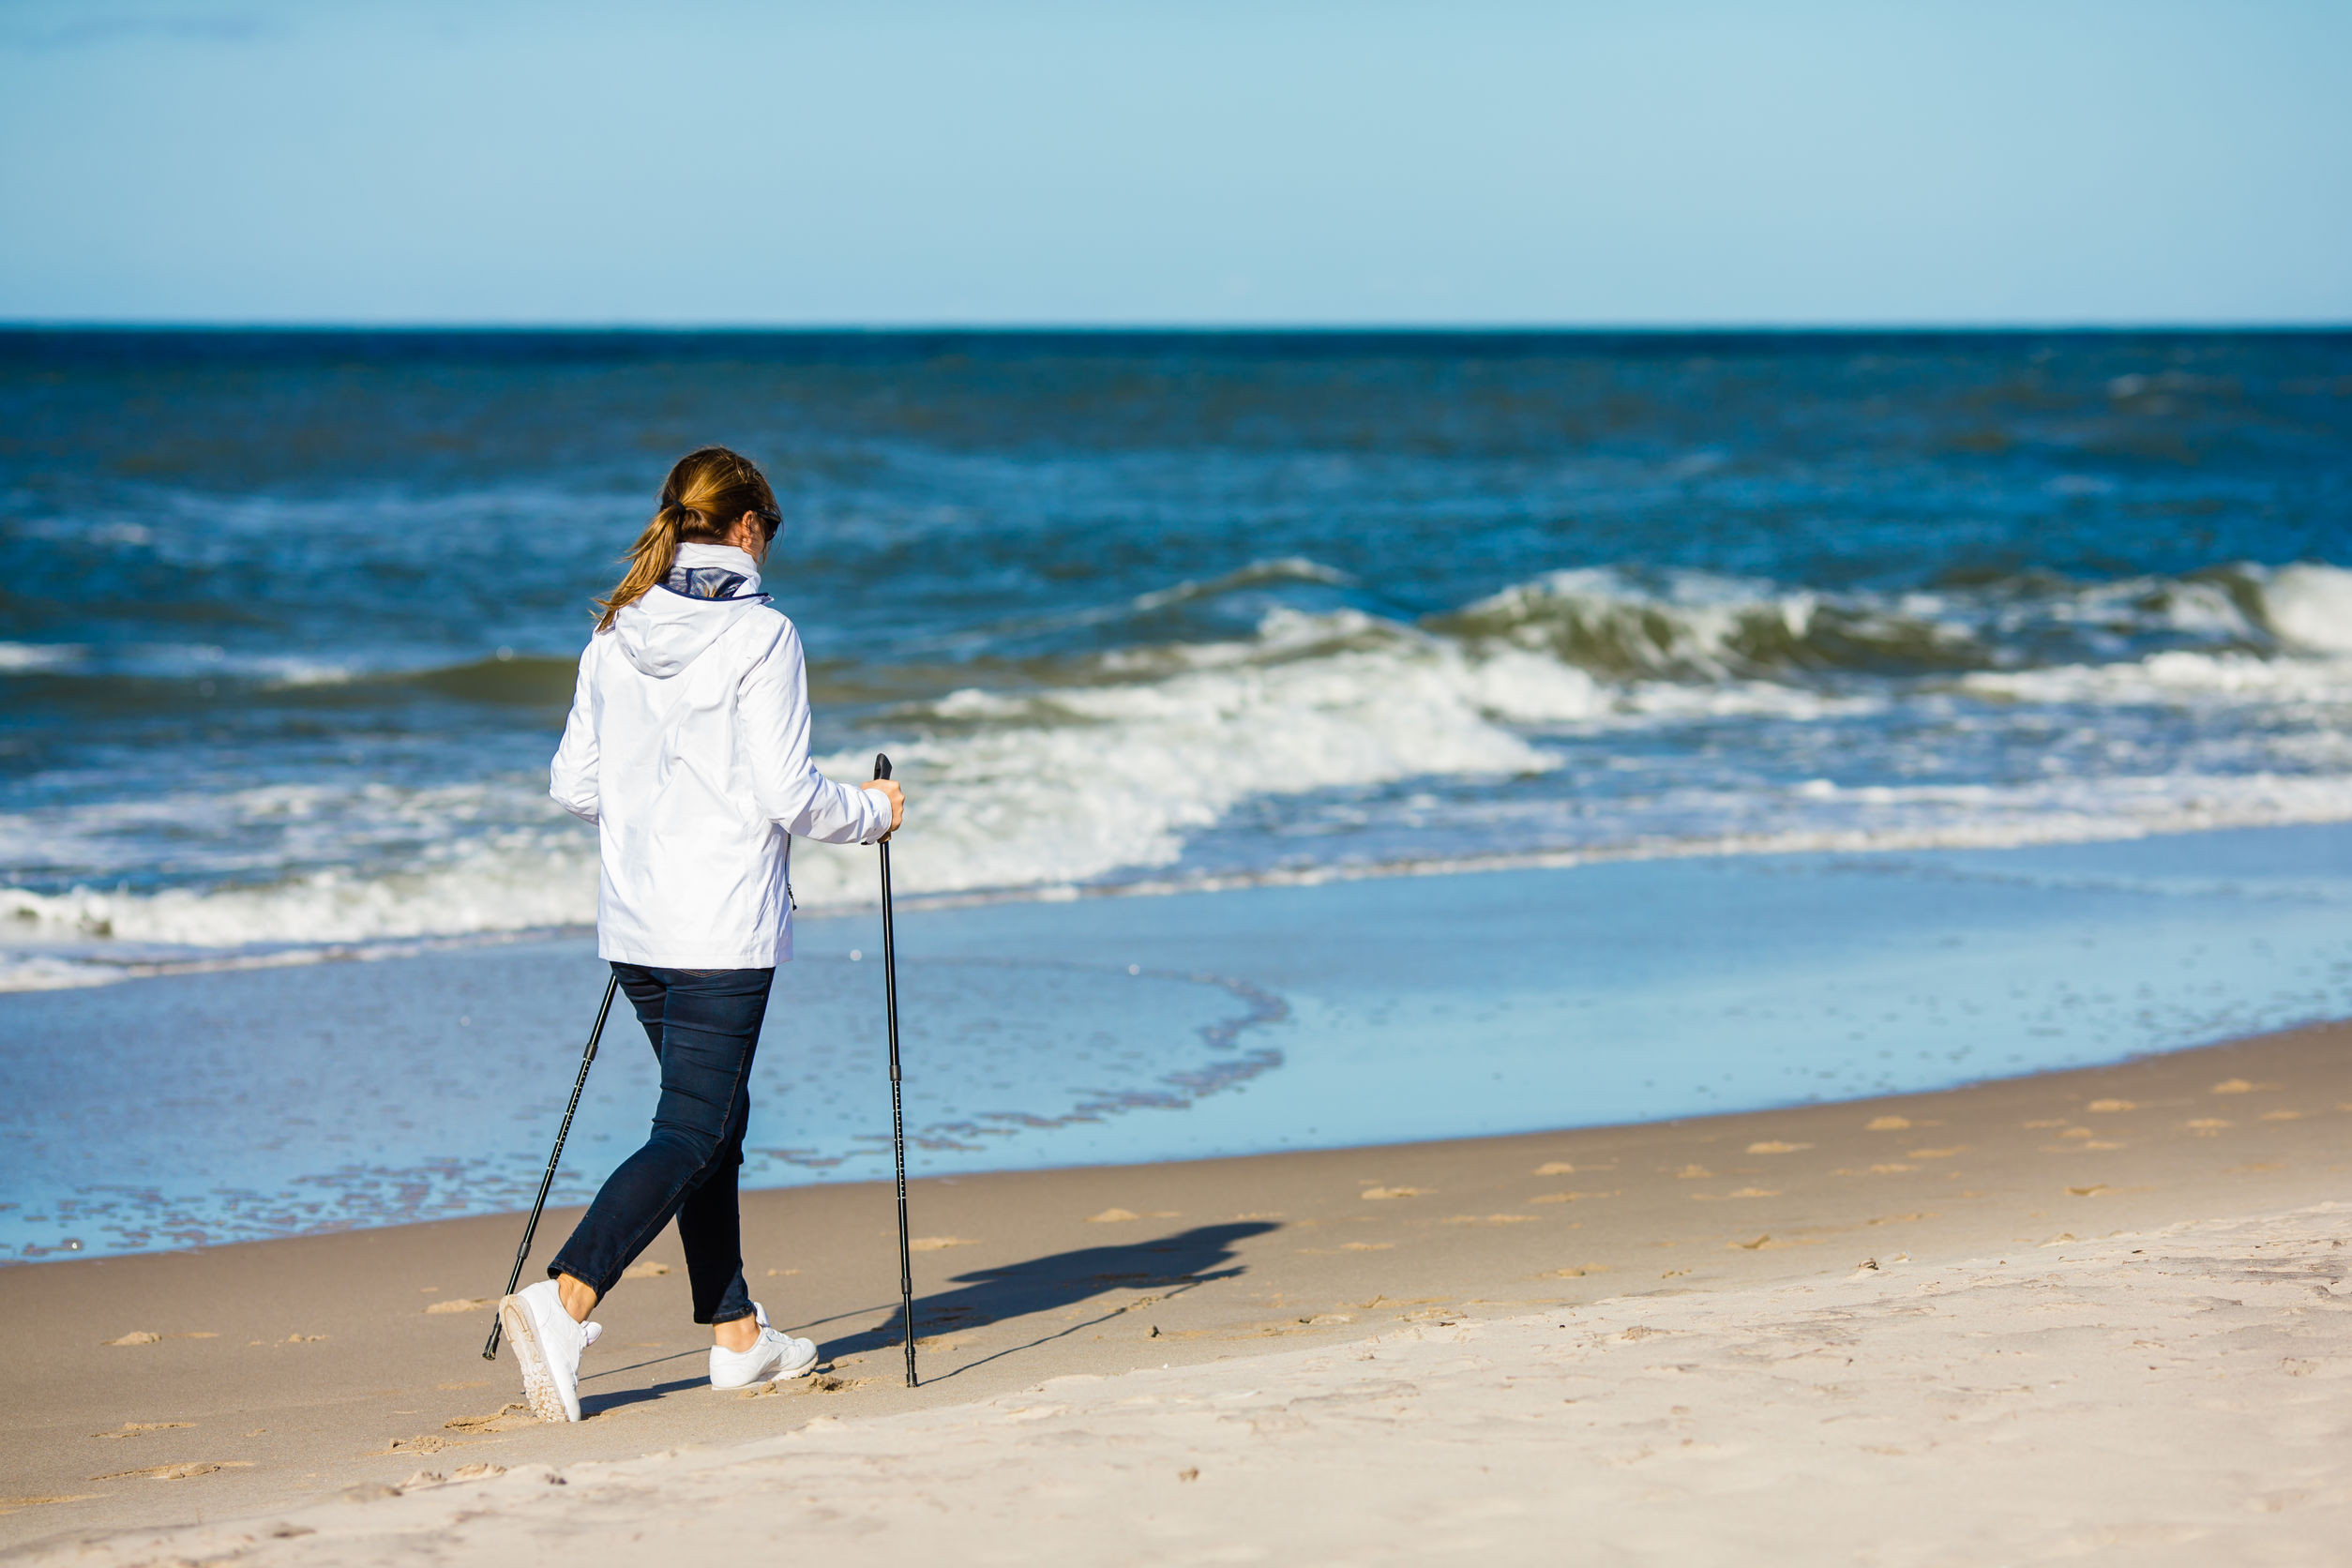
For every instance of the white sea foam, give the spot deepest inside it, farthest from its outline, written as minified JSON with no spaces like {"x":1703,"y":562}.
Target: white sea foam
{"x":487,"y":887}
{"x":2310,"y":606}
{"x":1072,"y":783}
{"x":25,"y":657}
{"x":2177,"y":676}
{"x":170,"y":661}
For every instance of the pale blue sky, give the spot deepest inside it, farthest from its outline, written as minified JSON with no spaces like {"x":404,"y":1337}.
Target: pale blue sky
{"x":1210,"y":162}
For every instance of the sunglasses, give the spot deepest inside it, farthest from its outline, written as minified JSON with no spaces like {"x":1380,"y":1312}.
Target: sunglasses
{"x":770,"y":521}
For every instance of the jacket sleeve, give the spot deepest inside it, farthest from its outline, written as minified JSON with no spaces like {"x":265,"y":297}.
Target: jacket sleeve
{"x":571,"y":778}
{"x":791,"y":791}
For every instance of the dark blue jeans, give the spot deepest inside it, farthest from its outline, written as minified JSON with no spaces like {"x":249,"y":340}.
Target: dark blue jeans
{"x":704,"y":1025}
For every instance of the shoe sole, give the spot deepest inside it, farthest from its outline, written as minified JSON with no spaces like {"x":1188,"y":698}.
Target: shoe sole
{"x":538,"y":1380}
{"x":783,"y":1375}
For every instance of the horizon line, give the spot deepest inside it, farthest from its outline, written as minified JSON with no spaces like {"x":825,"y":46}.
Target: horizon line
{"x":1660,"y":328}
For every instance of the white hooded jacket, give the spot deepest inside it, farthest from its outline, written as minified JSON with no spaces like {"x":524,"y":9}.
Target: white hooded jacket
{"x":687,"y":747}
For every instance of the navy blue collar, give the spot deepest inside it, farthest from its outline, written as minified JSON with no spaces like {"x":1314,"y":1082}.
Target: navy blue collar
{"x":706,"y":582}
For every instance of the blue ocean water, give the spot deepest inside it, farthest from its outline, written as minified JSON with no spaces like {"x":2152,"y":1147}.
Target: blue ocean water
{"x":287,"y":622}
{"x":289,"y":617}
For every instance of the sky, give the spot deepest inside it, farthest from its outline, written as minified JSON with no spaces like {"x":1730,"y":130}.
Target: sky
{"x":1262,"y":162}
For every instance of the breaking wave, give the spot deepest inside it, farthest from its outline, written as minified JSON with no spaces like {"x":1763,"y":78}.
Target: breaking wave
{"x":1554,"y":718}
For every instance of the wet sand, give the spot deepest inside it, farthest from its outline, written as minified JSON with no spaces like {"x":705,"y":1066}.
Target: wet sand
{"x":254,"y":1382}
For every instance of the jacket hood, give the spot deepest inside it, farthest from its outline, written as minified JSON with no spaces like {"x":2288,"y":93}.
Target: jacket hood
{"x":665,"y":631}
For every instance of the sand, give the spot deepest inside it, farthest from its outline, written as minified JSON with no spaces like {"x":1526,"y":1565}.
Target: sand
{"x":2176,"y":1397}
{"x":2084,"y":1314}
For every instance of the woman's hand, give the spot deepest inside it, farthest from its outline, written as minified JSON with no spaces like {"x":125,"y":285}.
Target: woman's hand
{"x":890,"y":792}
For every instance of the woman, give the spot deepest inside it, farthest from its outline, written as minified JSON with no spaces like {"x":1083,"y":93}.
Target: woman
{"x":687,"y":747}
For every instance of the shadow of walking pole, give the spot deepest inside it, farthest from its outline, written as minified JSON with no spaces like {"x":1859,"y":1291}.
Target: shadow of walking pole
{"x":985,"y":1296}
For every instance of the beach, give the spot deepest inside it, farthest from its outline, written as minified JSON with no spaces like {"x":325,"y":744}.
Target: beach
{"x":1696,"y":1279}
{"x":1481,"y":915}
{"x":1618,"y":760}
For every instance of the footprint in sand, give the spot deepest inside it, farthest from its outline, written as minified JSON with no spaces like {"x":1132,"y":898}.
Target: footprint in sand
{"x":460,"y":1303}
{"x":1773,"y":1146}
{"x":644,"y":1268}
{"x":1379,"y":1195}
{"x":133,"y":1428}
{"x":1119,"y":1216}
{"x":514,"y":1413}
{"x":938,"y":1244}
{"x":176,"y":1472}
{"x":1888,"y":1124}
{"x":2104,"y":1105}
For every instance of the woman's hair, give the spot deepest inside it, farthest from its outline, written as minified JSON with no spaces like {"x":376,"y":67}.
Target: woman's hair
{"x":700,"y":501}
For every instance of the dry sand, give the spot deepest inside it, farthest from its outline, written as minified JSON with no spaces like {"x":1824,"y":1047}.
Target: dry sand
{"x":1655,"y":1343}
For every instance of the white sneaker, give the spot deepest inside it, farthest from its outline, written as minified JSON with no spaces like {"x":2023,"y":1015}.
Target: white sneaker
{"x":773,"y":1359}
{"x":548,"y":1344}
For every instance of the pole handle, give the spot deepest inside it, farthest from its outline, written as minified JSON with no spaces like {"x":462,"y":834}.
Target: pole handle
{"x":882,"y":764}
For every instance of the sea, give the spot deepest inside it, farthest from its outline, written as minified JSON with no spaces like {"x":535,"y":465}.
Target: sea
{"x":1235,"y":679}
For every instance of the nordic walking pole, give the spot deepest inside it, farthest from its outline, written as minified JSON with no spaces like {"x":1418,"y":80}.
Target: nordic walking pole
{"x":587,"y":1060}
{"x":897,"y":1117}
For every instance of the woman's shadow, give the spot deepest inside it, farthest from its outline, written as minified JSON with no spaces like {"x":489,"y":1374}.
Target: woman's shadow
{"x":1168,"y":1265}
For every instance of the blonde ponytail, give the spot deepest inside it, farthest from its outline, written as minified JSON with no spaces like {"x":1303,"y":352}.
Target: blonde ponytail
{"x":706,"y":491}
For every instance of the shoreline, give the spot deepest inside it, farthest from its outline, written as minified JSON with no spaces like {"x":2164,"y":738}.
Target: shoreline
{"x":1794,"y":847}
{"x":1047,"y":1035}
{"x":155,"y":1388}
